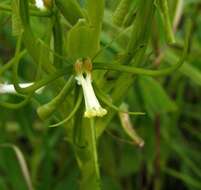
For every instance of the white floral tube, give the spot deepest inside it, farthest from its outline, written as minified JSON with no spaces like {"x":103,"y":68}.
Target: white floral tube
{"x":93,"y":107}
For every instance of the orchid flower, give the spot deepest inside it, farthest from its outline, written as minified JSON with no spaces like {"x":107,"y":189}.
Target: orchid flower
{"x":40,"y":4}
{"x":83,"y":77}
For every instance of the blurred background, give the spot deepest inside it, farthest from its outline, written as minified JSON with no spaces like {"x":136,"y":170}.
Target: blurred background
{"x":171,"y":128}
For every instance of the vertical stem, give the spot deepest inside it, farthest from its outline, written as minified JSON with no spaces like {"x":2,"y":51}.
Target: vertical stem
{"x":178,"y":14}
{"x":121,"y":12}
{"x":87,"y":157}
{"x":94,"y":148}
{"x":167,"y":23}
{"x":58,"y":41}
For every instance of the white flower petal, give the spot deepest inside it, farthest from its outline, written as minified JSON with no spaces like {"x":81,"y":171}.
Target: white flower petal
{"x":40,"y":4}
{"x":93,"y":107}
{"x":10,"y":89}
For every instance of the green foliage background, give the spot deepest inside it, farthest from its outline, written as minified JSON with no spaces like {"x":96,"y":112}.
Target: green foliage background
{"x":171,"y":128}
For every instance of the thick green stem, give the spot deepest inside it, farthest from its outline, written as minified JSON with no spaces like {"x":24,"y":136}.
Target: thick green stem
{"x":94,"y":148}
{"x":86,"y":154}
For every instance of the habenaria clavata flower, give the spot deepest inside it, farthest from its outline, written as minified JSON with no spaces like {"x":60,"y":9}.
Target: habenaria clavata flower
{"x":83,"y":70}
{"x":40,"y":4}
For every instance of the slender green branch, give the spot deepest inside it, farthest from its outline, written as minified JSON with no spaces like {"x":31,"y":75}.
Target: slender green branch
{"x":10,"y":63}
{"x":17,"y":105}
{"x":136,"y":70}
{"x":39,"y":84}
{"x":47,"y":80}
{"x":75,"y":109}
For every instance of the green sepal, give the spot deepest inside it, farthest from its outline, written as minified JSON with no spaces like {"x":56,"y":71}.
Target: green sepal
{"x":82,"y":41}
{"x":95,"y":10}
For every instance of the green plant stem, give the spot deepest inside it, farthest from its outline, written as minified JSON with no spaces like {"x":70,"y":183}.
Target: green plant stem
{"x":121,"y":12}
{"x":164,"y":9}
{"x":75,"y":109}
{"x":58,"y":41}
{"x":10,"y":63}
{"x":86,"y":153}
{"x":17,"y":105}
{"x":37,"y":85}
{"x":178,"y":14}
{"x":94,"y":148}
{"x":141,"y":71}
{"x":46,"y":80}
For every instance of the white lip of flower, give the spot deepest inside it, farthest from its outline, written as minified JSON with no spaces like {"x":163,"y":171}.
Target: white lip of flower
{"x":9,"y":88}
{"x":93,"y":107}
{"x":40,"y":4}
